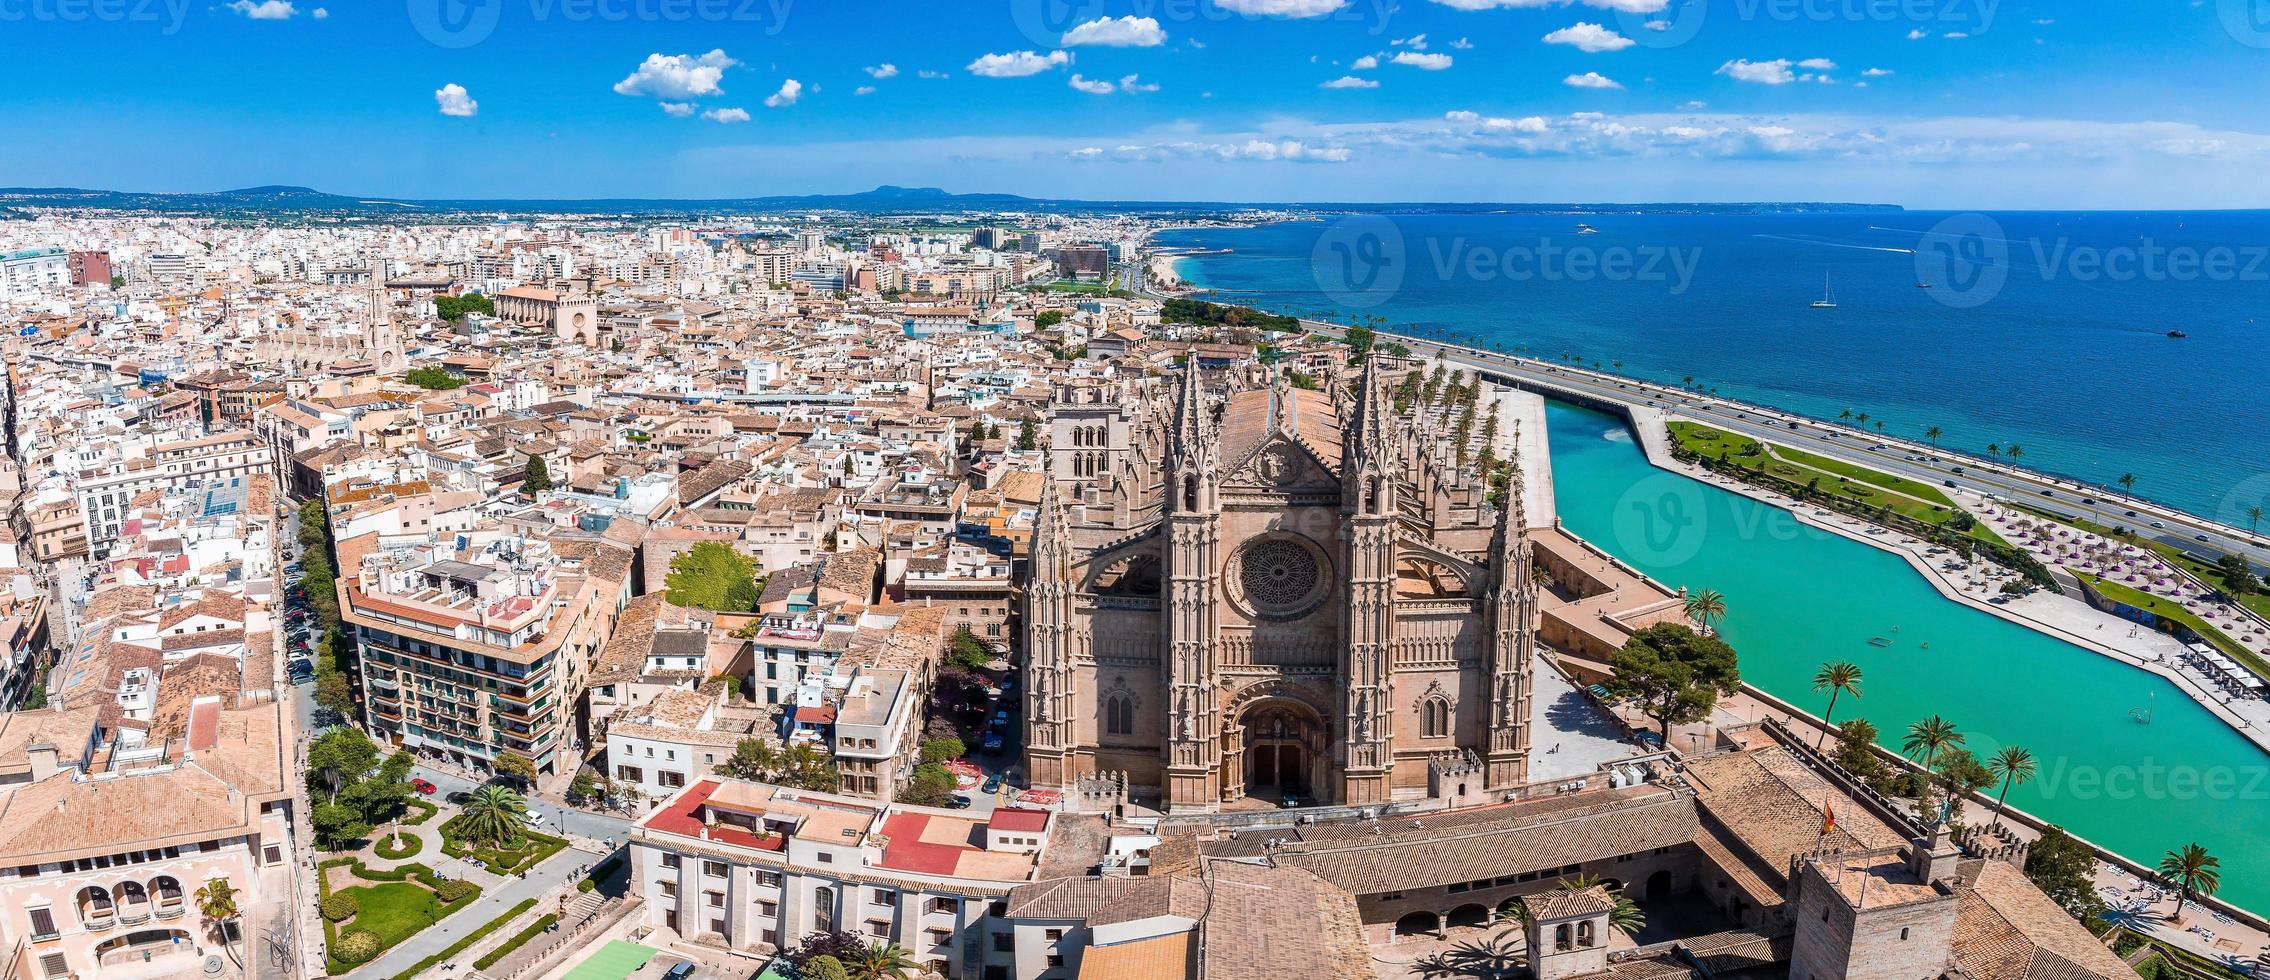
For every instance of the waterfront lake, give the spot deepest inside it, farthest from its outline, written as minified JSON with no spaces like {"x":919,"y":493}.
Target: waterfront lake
{"x":1797,"y":596}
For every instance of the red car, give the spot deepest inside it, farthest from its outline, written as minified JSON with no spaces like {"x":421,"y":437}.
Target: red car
{"x":424,"y":788}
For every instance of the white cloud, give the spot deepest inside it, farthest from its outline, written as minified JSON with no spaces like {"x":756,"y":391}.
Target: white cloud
{"x":1625,"y":6}
{"x":1775,"y":72}
{"x":455,"y":101}
{"x":1365,"y":63}
{"x":927,"y":73}
{"x":1917,"y":34}
{"x":1086,"y":153}
{"x":1496,"y":124}
{"x":321,"y":13}
{"x":1091,"y":86}
{"x":1818,"y":64}
{"x":1281,"y":8}
{"x":1462,"y":44}
{"x":1416,"y":42}
{"x":884,"y":70}
{"x":1425,"y":62}
{"x":1589,"y":38}
{"x":1134,"y":85}
{"x":1121,"y":32}
{"x":1876,"y":72}
{"x":265,"y":9}
{"x":678,"y":109}
{"x":1590,"y":79}
{"x":732,"y":115}
{"x":1658,"y":25}
{"x":1955,"y":35}
{"x":1017,"y":64}
{"x":864,"y":90}
{"x":677,"y":76}
{"x":790,"y":91}
{"x":1350,"y":81}
{"x":1693,"y":104}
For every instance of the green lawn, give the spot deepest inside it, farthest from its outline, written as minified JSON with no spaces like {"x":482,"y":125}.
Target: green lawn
{"x":1070,"y":286}
{"x":526,"y":851}
{"x":395,"y":910}
{"x":2203,"y":571}
{"x":1909,"y":498}
{"x":2170,"y":609}
{"x":614,"y":961}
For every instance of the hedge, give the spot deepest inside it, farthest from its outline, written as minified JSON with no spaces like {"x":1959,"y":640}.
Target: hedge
{"x":340,"y":907}
{"x":534,"y":929}
{"x":411,"y":845}
{"x":470,"y":938}
{"x":535,"y":848}
{"x":425,"y":811}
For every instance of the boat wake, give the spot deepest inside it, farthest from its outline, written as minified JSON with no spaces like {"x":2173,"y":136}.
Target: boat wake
{"x":1828,"y":244}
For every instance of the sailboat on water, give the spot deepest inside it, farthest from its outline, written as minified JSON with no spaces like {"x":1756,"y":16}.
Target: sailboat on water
{"x":1828,"y":296}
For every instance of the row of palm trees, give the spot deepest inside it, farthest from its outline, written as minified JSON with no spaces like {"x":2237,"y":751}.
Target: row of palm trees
{"x":2191,"y":869}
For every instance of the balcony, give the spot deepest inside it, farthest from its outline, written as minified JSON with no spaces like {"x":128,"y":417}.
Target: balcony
{"x":97,"y":916}
{"x":134,"y":911}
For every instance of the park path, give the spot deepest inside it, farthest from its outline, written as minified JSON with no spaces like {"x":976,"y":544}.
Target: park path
{"x":494,"y":901}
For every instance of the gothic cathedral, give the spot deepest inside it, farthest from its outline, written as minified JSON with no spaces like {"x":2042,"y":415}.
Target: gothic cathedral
{"x":1248,"y":589}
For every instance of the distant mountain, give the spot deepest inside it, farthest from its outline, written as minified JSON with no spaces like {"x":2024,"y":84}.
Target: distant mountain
{"x":887,"y":199}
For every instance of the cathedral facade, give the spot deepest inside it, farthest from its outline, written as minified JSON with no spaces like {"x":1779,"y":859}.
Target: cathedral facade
{"x":1244,"y":589}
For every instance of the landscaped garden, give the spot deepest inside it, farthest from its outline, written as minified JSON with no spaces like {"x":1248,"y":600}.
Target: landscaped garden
{"x":493,"y":829}
{"x":1819,"y":474}
{"x":367,"y":912}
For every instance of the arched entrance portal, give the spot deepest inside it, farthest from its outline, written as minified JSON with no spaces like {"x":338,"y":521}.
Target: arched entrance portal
{"x":1283,"y":749}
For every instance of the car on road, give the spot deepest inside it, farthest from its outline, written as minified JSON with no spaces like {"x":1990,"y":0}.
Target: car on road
{"x":2131,"y":513}
{"x":1948,"y":482}
{"x":960,"y":802}
{"x":1793,"y":424}
{"x":1958,"y":471}
{"x":2159,"y":524}
{"x":2198,"y":537}
{"x":2049,"y":493}
{"x":423,"y":787}
{"x":993,"y":783}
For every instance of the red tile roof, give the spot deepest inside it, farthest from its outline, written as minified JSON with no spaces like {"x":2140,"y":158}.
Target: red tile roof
{"x":1018,"y":820}
{"x":683,"y":817}
{"x":909,"y":852}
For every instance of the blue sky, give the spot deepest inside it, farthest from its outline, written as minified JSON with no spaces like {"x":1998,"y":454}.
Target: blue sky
{"x":1928,"y":103}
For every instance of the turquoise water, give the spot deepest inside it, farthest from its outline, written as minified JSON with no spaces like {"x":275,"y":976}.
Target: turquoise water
{"x":1797,"y":597}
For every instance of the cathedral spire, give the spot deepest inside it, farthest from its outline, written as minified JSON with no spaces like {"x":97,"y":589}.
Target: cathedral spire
{"x":1051,"y":545}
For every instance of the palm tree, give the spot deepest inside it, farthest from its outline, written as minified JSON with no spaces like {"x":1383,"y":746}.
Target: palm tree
{"x":2192,"y":871}
{"x":1707,"y":607}
{"x":1994,"y":449}
{"x":1844,"y":416}
{"x":494,"y":815}
{"x":2014,"y":452}
{"x":1626,"y":915}
{"x":1930,"y":737}
{"x":1861,"y":418}
{"x":883,"y":961}
{"x":1879,"y":426}
{"x":2253,"y":518}
{"x":1932,"y":435}
{"x":2013,"y":765}
{"x":216,"y":900}
{"x":2127,"y":482}
{"x":1842,"y":677}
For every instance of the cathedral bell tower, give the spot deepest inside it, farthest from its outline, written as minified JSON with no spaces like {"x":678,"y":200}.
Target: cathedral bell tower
{"x":381,"y":342}
{"x":1194,"y":541}
{"x":1050,"y":638}
{"x":1369,"y":498}
{"x":1513,"y":649}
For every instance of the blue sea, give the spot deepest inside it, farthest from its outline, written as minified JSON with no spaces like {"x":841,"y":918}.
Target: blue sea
{"x":2044,"y":330}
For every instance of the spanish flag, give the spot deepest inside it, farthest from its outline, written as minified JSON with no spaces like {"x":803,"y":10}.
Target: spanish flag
{"x":1828,"y":819}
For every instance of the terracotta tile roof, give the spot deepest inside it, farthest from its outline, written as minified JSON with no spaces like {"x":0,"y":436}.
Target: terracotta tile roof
{"x":2006,"y":929}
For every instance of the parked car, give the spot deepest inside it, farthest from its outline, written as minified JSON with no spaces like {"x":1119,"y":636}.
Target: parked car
{"x":680,"y":971}
{"x":993,"y":784}
{"x":992,"y":742}
{"x":960,"y":802}
{"x":423,"y":787}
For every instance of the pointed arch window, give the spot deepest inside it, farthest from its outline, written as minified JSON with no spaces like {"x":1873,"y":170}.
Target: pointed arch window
{"x":1119,"y":715}
{"x":1434,"y":717}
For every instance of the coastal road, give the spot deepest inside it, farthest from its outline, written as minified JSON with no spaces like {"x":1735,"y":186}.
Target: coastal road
{"x":1917,"y":461}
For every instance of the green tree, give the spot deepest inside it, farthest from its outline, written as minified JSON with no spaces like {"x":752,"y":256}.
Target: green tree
{"x":1048,"y":318}
{"x":2253,"y":519}
{"x":1929,"y":737}
{"x":883,"y":961}
{"x":340,"y":758}
{"x":1842,"y":677}
{"x":2065,"y":870}
{"x":433,"y":378}
{"x":338,"y":825}
{"x":966,"y":652}
{"x":1932,"y":435}
{"x":1028,"y":435}
{"x":930,"y":785}
{"x":1706,"y":607}
{"x":1360,"y":340}
{"x":332,"y":692}
{"x":216,"y":901}
{"x":711,"y":575}
{"x":1856,"y":749}
{"x":515,"y":766}
{"x":535,"y":477}
{"x":584,"y":786}
{"x":494,"y":815}
{"x":752,"y":759}
{"x":2192,"y":872}
{"x":454,"y":308}
{"x":824,"y":967}
{"x":1675,"y":674}
{"x":2238,"y":576}
{"x":2012,"y":765}
{"x":942,"y":749}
